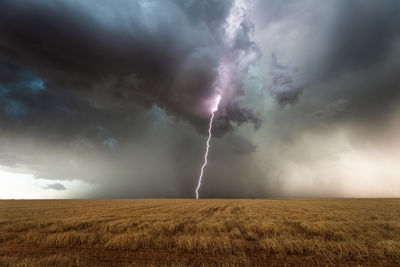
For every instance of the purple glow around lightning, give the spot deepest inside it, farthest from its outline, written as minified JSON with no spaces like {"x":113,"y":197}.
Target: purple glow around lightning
{"x":230,"y":59}
{"x":213,"y":110}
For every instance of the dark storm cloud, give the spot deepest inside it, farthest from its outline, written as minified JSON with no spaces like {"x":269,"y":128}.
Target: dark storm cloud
{"x":362,"y":54}
{"x":112,"y":93}
{"x":363,"y":34}
{"x":346,"y":55}
{"x":122,"y":54}
{"x":286,"y":85}
{"x":56,"y":186}
{"x":350,"y":47}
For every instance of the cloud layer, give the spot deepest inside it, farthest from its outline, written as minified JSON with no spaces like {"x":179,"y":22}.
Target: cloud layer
{"x":118,"y":94}
{"x":134,"y":53}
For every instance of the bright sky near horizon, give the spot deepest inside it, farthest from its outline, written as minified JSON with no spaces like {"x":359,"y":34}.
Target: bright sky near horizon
{"x":26,"y":186}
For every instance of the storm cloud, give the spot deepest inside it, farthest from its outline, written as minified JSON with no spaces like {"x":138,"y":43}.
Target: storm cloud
{"x":134,"y":53}
{"x":118,"y":95}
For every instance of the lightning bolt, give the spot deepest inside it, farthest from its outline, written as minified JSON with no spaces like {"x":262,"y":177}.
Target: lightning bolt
{"x":229,"y":62}
{"x":213,"y":110}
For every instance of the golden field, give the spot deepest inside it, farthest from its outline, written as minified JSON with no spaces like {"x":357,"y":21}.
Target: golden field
{"x":206,"y":232}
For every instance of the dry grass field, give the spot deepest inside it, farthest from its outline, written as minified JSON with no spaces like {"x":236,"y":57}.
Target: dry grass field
{"x":209,"y":232}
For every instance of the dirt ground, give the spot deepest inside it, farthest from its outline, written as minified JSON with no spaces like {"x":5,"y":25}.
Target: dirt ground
{"x":206,"y":232}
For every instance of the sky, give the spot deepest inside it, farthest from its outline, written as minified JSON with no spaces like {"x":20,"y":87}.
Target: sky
{"x":102,"y":99}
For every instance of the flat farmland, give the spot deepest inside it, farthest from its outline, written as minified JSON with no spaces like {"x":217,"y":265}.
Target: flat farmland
{"x":205,"y":232}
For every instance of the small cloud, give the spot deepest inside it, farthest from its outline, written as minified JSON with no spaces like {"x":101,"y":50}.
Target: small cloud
{"x":56,"y":186}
